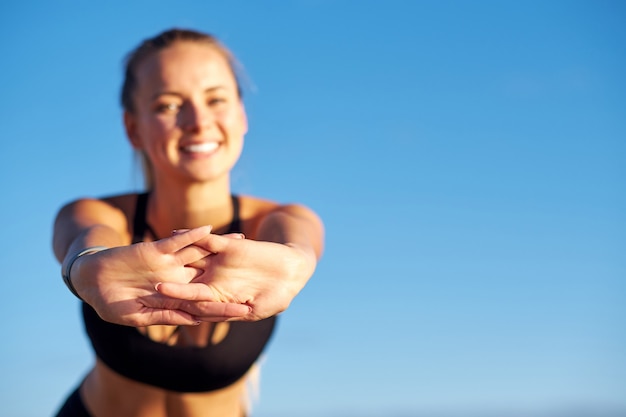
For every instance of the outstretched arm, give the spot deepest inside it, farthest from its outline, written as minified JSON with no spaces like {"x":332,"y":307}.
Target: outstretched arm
{"x":119,"y":282}
{"x":265,"y":273}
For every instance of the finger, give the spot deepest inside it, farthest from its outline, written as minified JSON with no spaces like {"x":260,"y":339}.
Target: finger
{"x":183,"y":239}
{"x":191,"y":254}
{"x":215,"y":243}
{"x":215,"y":319}
{"x":193,"y":271}
{"x":157,"y":309}
{"x":190,"y":292}
{"x":210,"y":311}
{"x":170,"y":317}
{"x":199,"y":250}
{"x":235,"y":235}
{"x":204,"y":310}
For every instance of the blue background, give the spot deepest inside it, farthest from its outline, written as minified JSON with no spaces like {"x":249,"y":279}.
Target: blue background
{"x":467,"y":157}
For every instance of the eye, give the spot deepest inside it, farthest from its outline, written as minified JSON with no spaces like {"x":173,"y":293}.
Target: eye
{"x":168,"y":107}
{"x":216,"y":101}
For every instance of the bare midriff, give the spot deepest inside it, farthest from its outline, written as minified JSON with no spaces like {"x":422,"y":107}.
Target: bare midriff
{"x":108,"y":394}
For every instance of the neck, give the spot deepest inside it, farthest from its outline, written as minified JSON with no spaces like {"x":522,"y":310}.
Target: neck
{"x":174,"y":207}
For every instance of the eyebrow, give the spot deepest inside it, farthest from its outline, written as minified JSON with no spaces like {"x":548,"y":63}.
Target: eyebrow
{"x":174,"y":93}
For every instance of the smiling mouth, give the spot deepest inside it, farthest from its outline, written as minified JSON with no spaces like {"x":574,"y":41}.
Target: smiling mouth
{"x":206,"y":147}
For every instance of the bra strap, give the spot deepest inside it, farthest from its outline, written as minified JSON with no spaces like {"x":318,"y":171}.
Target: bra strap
{"x":141,"y":226}
{"x":235,"y":224}
{"x":139,"y":220}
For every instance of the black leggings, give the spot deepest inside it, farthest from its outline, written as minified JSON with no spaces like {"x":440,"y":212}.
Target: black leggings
{"x":73,"y":406}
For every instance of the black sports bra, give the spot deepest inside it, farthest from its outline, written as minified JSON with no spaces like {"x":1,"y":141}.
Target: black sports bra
{"x":177,"y":368}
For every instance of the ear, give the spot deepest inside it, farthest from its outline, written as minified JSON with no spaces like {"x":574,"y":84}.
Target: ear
{"x":130,"y":124}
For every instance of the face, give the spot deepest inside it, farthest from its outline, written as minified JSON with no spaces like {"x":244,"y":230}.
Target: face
{"x":189,"y":120}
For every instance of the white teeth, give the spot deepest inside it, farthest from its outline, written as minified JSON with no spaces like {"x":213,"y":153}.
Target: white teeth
{"x":205,"y":147}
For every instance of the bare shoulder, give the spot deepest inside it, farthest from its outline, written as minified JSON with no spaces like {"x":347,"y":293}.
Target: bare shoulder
{"x":254,"y":206}
{"x":114,"y":211}
{"x":255,"y":209}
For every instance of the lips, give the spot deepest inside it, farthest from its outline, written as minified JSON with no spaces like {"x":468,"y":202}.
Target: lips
{"x":203,"y":148}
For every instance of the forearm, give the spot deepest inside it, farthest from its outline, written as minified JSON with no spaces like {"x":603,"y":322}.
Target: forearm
{"x":81,"y":225}
{"x":87,"y":242}
{"x":86,"y":223}
{"x":294,"y":226}
{"x":97,"y":235}
{"x":300,"y":229}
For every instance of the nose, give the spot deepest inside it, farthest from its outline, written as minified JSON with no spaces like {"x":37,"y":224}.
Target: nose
{"x":195,"y":117}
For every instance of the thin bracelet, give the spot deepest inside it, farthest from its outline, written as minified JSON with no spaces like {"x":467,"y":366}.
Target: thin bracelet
{"x":65,"y":272}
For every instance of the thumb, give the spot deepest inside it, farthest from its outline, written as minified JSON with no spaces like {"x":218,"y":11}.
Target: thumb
{"x":193,"y":291}
{"x":181,"y":239}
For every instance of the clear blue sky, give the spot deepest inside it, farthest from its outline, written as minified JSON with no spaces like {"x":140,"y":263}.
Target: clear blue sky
{"x":468,"y":159}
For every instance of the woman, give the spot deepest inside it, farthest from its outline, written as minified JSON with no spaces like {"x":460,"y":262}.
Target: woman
{"x":181,"y":284}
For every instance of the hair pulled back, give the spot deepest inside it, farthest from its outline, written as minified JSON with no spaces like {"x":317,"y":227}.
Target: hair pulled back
{"x":158,"y":43}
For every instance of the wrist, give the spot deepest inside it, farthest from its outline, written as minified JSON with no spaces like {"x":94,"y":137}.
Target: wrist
{"x":304,"y":264}
{"x":66,"y":267}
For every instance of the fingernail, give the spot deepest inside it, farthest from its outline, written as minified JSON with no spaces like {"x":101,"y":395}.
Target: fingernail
{"x":157,"y":286}
{"x":241,"y":236}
